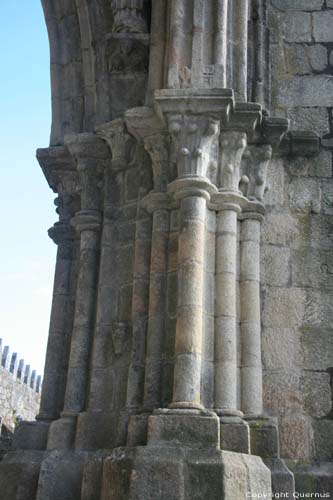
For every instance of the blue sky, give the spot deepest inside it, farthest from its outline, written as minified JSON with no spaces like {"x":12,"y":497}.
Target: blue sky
{"x":27,"y":255}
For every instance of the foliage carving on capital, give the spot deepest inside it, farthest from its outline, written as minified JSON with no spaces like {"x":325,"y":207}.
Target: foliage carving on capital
{"x":157,"y":146}
{"x":194,"y":137}
{"x":128,"y":16}
{"x":256,"y":161}
{"x":232,"y":147}
{"x":119,"y":140}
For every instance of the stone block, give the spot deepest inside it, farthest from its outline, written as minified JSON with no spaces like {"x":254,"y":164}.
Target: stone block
{"x":320,"y":166}
{"x":235,"y":436}
{"x":172,"y":429}
{"x":275,"y":265}
{"x":298,"y":4}
{"x":321,"y":232}
{"x":296,"y":437}
{"x":31,"y":436}
{"x":319,"y":309}
{"x":305,"y":91}
{"x":280,"y":229}
{"x":301,"y":59}
{"x":305,"y":195}
{"x":283,"y":481}
{"x":275,"y":181}
{"x":281,"y":348}
{"x":318,"y":265}
{"x":296,"y":27}
{"x":323,"y":439}
{"x":313,"y":477}
{"x":322,"y":26}
{"x":264,"y":437}
{"x":327,"y":198}
{"x":315,"y":119}
{"x":19,"y":472}
{"x":283,"y":307}
{"x":282,"y":392}
{"x":317,"y":348}
{"x":316,"y":392}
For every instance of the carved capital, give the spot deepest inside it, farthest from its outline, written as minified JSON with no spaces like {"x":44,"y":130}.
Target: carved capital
{"x":254,"y":180}
{"x":232,"y":147}
{"x":128,"y":16}
{"x":148,"y":128}
{"x":116,"y":136}
{"x":194,"y":136}
{"x":92,"y":156}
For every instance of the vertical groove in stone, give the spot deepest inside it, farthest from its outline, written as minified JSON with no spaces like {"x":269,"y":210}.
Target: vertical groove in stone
{"x":157,"y":49}
{"x":225,"y":326}
{"x":197,"y":40}
{"x":240,"y":40}
{"x":251,"y":368}
{"x":157,"y":297}
{"x":220,"y":37}
{"x":187,"y":373}
{"x":259,"y":53}
{"x":176,"y":40}
{"x":136,"y":374}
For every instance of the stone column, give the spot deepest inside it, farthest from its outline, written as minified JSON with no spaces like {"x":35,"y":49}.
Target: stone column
{"x":240,"y":45}
{"x":220,"y":37}
{"x":232,"y":147}
{"x":228,"y":203}
{"x":88,"y":151}
{"x":250,"y":282}
{"x":193,"y":136}
{"x":91,"y":427}
{"x":59,"y":169}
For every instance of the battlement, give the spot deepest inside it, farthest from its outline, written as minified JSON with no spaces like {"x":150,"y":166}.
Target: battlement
{"x":19,"y":369}
{"x":20,"y":389}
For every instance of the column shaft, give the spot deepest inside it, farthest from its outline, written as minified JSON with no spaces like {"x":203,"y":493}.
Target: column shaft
{"x":83,"y":322}
{"x":250,"y":318}
{"x":240,"y":41}
{"x":187,"y":374}
{"x":220,"y":36}
{"x":156,"y":320}
{"x":225,"y":328}
{"x":59,"y":333}
{"x":140,"y":297}
{"x":176,"y":42}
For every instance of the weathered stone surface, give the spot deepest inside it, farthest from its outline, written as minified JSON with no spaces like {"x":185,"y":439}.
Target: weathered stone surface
{"x":283,"y":307}
{"x":296,"y":27}
{"x":281,"y":348}
{"x":319,"y":309}
{"x":275,"y":265}
{"x":319,"y":167}
{"x":317,"y":394}
{"x":315,"y":119}
{"x":296,"y":437}
{"x":305,"y":195}
{"x":319,"y":265}
{"x":306,"y":91}
{"x":280,"y":229}
{"x":298,"y":4}
{"x":317,"y":348}
{"x":282,"y":392}
{"x":322,"y":26}
{"x":323,"y":438}
{"x":305,"y":59}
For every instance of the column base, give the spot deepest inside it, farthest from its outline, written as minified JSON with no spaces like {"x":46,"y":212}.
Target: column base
{"x":31,"y":436}
{"x":181,"y":472}
{"x":264,"y":438}
{"x":96,"y":430}
{"x":62,"y":433}
{"x":235,"y":434}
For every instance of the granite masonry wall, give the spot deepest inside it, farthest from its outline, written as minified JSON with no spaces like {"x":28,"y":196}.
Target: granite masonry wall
{"x":297,"y":257}
{"x":19,"y":390}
